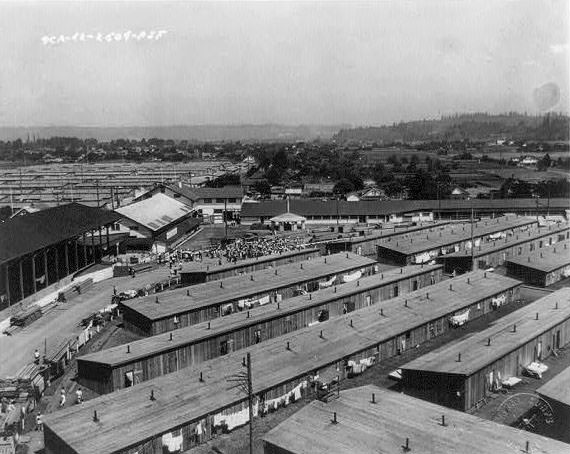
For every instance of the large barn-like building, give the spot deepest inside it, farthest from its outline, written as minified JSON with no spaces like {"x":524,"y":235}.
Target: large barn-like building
{"x":39,"y":250}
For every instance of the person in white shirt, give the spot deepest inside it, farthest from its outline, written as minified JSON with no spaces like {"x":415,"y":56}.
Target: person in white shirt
{"x":79,"y":394}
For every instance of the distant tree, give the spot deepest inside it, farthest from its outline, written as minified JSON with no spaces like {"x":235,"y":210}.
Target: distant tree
{"x":378,"y":172}
{"x":343,"y":187}
{"x":393,"y":159}
{"x":544,"y":163}
{"x":227,"y":179}
{"x":262,"y":187}
{"x":393,"y":189}
{"x":280,"y":160}
{"x":273,"y":175}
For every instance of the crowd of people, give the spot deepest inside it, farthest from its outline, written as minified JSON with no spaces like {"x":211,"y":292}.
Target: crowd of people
{"x":242,"y":249}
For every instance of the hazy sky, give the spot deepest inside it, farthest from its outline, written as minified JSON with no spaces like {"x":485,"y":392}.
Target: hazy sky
{"x":361,"y":63}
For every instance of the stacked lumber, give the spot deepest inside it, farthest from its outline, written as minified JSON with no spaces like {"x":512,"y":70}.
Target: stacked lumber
{"x":26,"y":316}
{"x":77,"y":289}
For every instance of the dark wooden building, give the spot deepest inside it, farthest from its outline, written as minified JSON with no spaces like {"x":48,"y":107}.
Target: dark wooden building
{"x":425,"y":246}
{"x":40,"y":249}
{"x":463,"y":374}
{"x":367,"y":241}
{"x":373,"y":211}
{"x":372,"y":420}
{"x":194,"y":404}
{"x":115,"y":368}
{"x":187,"y":306}
{"x":543,"y":268}
{"x":495,"y":253}
{"x":196,"y":273}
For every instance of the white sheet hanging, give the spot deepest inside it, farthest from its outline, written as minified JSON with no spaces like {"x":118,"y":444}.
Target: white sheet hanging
{"x":459,"y":319}
{"x":352,"y":277}
{"x":327,"y":283}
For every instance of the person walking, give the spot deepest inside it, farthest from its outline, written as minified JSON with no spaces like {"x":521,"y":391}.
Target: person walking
{"x":79,"y":395}
{"x":39,"y":423}
{"x":62,"y":398}
{"x":37,"y":356}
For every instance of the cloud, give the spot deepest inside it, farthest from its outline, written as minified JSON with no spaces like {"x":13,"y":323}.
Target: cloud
{"x":559,"y":48}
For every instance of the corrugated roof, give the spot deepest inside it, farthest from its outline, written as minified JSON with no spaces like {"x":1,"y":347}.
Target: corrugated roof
{"x":26,"y":234}
{"x":155,"y":212}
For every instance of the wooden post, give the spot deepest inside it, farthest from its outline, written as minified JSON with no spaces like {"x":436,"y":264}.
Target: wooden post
{"x":46,"y":267}
{"x":100,"y":244}
{"x":108,"y":244}
{"x":21,"y":279}
{"x":7,"y":278}
{"x":66,"y":258}
{"x":76,"y":256}
{"x":34,"y":273}
{"x":84,"y":250}
{"x":56,"y":263}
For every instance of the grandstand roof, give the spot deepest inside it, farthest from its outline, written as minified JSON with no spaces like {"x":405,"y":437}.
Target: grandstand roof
{"x":26,"y":234}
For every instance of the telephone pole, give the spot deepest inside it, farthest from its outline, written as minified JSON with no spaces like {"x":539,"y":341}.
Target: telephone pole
{"x":244,"y":383}
{"x":250,"y":399}
{"x":472,"y":241}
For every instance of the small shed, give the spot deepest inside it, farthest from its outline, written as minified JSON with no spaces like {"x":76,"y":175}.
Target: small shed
{"x":288,"y":222}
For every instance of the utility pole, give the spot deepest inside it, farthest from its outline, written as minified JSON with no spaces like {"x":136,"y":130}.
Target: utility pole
{"x":250,"y":399}
{"x":438,"y":203}
{"x":244,"y":382}
{"x":472,"y":241}
{"x":226,"y":218}
{"x":337,"y":214}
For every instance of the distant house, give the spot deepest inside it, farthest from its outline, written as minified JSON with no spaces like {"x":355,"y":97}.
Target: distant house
{"x":372,"y":193}
{"x":459,"y":194}
{"x":208,"y":202}
{"x":529,"y":161}
{"x":277,"y":192}
{"x":155,"y":223}
{"x":212,"y":202}
{"x":318,"y":189}
{"x":294,"y":192}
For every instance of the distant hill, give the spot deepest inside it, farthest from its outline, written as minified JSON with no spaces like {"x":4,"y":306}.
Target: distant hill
{"x":476,"y":127}
{"x":201,"y":133}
